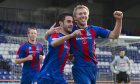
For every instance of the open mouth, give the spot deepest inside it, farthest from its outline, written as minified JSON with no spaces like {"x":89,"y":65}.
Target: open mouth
{"x":83,"y":19}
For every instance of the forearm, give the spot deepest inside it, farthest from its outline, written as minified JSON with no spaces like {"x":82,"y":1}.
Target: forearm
{"x":60,"y":40}
{"x":41,"y":58}
{"x":117,"y":29}
{"x":112,"y":67}
{"x":46,"y":35}
{"x":19,"y":61}
{"x":129,"y":66}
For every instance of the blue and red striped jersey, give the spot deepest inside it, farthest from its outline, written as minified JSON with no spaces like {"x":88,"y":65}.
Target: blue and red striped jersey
{"x":55,"y":59}
{"x":83,"y":47}
{"x":30,"y":49}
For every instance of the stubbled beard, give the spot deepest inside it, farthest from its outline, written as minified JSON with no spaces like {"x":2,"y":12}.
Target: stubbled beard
{"x":81,"y":24}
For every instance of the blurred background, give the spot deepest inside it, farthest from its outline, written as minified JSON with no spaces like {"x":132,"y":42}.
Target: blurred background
{"x":42,"y":13}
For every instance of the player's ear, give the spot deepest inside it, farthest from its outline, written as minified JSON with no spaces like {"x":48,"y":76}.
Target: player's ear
{"x":61,"y":23}
{"x":74,"y":17}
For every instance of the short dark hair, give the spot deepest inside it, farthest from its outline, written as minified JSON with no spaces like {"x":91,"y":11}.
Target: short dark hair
{"x":61,"y":17}
{"x":29,"y":28}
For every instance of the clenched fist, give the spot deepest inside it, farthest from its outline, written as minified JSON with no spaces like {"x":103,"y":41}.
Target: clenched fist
{"x":118,"y":14}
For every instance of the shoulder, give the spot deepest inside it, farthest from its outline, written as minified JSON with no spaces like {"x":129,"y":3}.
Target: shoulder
{"x":95,"y":27}
{"x":117,"y":57}
{"x":39,"y":43}
{"x":126,"y":58}
{"x":23,"y":44}
{"x":55,"y":35}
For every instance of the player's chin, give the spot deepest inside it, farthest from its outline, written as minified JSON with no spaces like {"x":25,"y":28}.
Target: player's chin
{"x":82,"y":23}
{"x":69,"y":30}
{"x":33,"y":39}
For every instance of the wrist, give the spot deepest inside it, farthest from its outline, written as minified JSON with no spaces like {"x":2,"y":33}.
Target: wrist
{"x":47,"y":33}
{"x":72,"y":35}
{"x":118,"y":19}
{"x":25,"y":59}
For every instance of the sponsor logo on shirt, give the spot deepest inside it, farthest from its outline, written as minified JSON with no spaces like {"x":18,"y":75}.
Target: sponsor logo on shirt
{"x":81,"y":38}
{"x":88,"y":33}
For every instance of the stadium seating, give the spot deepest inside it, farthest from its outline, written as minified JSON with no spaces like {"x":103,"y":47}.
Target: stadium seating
{"x":9,"y":46}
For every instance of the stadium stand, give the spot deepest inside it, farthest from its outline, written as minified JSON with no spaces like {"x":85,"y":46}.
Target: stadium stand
{"x":9,"y":71}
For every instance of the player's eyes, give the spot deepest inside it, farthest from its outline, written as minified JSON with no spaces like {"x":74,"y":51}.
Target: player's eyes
{"x":80,"y":13}
{"x":69,"y":21}
{"x":85,"y":13}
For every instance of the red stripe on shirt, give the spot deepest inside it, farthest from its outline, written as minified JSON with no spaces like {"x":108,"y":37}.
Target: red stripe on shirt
{"x":85,"y":46}
{"x":65,"y":58}
{"x":27,"y":52}
{"x":34,"y":56}
{"x":55,"y":35}
{"x":74,"y":44}
{"x":60,"y":51}
{"x":93,"y":45}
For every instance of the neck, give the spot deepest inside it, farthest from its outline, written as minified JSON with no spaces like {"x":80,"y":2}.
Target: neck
{"x":64,"y":32}
{"x":82,"y":26}
{"x":32,"y":42}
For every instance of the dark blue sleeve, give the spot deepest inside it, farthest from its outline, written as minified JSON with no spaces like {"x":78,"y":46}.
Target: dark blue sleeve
{"x":49,"y":40}
{"x":101,"y":32}
{"x":21,"y":52}
{"x":52,"y":37}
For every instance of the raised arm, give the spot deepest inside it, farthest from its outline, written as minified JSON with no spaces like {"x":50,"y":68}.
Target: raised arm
{"x":118,"y":15}
{"x":60,"y":40}
{"x":53,"y":29}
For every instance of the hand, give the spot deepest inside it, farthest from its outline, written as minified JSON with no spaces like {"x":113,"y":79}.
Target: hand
{"x":128,"y":72}
{"x":53,"y":30}
{"x":116,"y":72}
{"x":53,"y":26}
{"x":41,"y":58}
{"x":76,"y":33}
{"x":29,"y":57}
{"x":118,"y":14}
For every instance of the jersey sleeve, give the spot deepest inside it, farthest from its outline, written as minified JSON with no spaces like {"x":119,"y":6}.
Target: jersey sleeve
{"x":128,"y":60}
{"x":51,"y":38}
{"x":113,"y":64}
{"x":101,"y":32}
{"x":21,"y":52}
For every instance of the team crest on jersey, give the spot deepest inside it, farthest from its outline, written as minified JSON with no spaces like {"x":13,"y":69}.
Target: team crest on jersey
{"x":30,"y":48}
{"x":37,"y":49}
{"x":88,"y":33}
{"x":65,"y":45}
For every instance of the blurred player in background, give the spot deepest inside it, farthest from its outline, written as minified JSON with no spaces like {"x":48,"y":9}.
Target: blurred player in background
{"x":121,"y":67}
{"x":57,"y":52}
{"x":30,"y":54}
